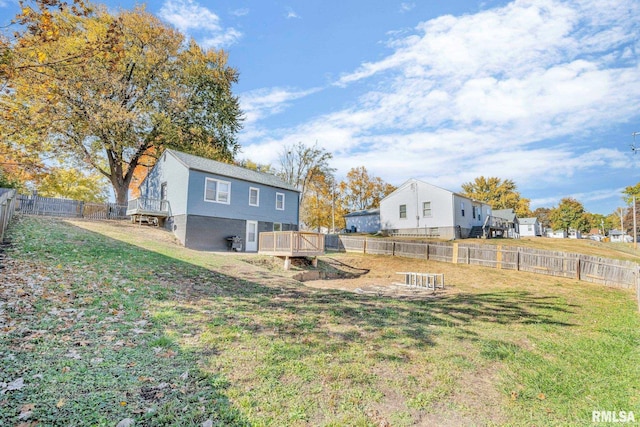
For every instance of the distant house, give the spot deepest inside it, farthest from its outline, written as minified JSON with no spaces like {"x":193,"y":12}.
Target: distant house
{"x":364,"y":221}
{"x":557,"y":234}
{"x":511,"y":220}
{"x":421,"y":209}
{"x":618,"y":236}
{"x":206,"y":202}
{"x":530,"y":227}
{"x":575,"y":234}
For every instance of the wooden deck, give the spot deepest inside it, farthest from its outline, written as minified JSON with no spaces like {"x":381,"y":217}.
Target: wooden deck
{"x":144,"y":209}
{"x":291,"y":243}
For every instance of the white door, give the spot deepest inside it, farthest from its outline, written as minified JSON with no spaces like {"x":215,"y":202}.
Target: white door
{"x":252,"y":236}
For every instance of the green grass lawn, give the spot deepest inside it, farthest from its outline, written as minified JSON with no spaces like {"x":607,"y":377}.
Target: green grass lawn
{"x":102,"y":326}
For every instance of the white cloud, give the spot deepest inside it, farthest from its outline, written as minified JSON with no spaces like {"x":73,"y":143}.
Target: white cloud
{"x":490,"y":94}
{"x":240,"y":12}
{"x":291,"y":14}
{"x":189,"y":17}
{"x":406,"y":7}
{"x":261,"y":103}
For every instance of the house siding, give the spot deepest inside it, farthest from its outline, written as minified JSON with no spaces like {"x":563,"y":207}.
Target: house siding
{"x":446,"y":220}
{"x":238,"y":206}
{"x":206,"y":225}
{"x":363,"y":221}
{"x":168,"y":169}
{"x":206,"y":233}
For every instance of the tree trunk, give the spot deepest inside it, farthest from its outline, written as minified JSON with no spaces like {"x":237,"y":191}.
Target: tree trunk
{"x":121,"y":191}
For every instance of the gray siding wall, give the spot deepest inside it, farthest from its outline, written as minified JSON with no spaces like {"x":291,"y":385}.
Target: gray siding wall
{"x":210,"y":234}
{"x":364,"y":223}
{"x":238,"y":207}
{"x":178,"y":225}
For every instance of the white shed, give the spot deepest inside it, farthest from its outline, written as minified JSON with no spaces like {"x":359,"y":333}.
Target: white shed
{"x":530,"y":227}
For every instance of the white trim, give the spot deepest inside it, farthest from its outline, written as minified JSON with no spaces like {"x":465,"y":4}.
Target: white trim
{"x":400,"y":211}
{"x":430,"y":211}
{"x":277,"y":195}
{"x":257,"y":196}
{"x":218,"y":192}
{"x":251,"y":245}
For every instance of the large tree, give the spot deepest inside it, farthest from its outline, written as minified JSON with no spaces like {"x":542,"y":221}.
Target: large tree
{"x":498,"y":194}
{"x":543,"y":215}
{"x":321,"y":207}
{"x":361,"y":191}
{"x":300,"y":165}
{"x":569,"y":214}
{"x":104,"y":89}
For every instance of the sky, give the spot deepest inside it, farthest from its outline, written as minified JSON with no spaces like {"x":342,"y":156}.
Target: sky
{"x":541,"y":92}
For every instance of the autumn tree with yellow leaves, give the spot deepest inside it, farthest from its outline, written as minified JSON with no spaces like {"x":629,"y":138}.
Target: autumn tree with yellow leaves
{"x":101,"y":90}
{"x":361,"y":191}
{"x":498,"y":193}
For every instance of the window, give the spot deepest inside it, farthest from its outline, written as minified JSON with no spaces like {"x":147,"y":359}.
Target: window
{"x":280,"y":201}
{"x":403,"y":211}
{"x":473,"y":212}
{"x":462,"y":207}
{"x":426,"y":209}
{"x":277,"y":226}
{"x":217,"y":191}
{"x":163,"y":191}
{"x":254,"y":196}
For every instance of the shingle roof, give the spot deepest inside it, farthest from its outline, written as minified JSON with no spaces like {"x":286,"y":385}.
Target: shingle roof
{"x":364,"y":212}
{"x":224,"y":169}
{"x":527,"y":221}
{"x":507,"y":214}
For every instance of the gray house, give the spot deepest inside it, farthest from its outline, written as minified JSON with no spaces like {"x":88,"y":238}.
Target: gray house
{"x":205,"y":202}
{"x":512,"y":222}
{"x":364,"y":221}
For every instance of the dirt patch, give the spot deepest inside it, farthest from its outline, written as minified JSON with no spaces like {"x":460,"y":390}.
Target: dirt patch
{"x":372,"y":275}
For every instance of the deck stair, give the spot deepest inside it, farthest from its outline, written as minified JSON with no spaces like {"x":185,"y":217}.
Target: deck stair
{"x":476,"y":232}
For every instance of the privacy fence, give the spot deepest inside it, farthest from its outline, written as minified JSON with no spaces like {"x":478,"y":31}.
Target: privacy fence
{"x":36,"y":205}
{"x":7,"y":208}
{"x":576,"y":266}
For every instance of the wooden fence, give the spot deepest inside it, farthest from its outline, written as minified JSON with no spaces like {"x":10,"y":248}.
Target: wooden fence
{"x":582,"y":267}
{"x":7,"y":208}
{"x":36,"y":205}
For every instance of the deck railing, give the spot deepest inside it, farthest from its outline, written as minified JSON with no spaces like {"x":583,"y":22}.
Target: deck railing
{"x":145,"y":205}
{"x":292,"y":243}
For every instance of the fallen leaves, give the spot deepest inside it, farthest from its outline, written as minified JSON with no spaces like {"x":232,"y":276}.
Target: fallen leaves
{"x":14,"y":385}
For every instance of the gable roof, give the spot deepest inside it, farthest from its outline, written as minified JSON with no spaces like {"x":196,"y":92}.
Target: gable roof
{"x":507,"y":214}
{"x":364,"y":212}
{"x":402,"y":186}
{"x":232,"y":171}
{"x":528,"y":221}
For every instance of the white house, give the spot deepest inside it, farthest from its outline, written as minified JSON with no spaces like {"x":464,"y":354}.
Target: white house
{"x":530,"y":227}
{"x":364,"y":221}
{"x":419,"y":208}
{"x":557,"y":234}
{"x":618,"y":236}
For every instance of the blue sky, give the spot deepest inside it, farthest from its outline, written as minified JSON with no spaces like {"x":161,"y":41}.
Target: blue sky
{"x":545,"y":93}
